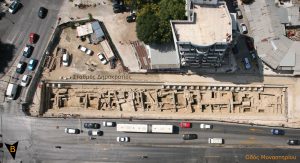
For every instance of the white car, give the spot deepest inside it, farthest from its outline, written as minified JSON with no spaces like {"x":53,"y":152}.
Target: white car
{"x":72,"y":131}
{"x":95,"y":133}
{"x":243,"y":28}
{"x":26,"y":80}
{"x":206,"y":126}
{"x":123,"y":139}
{"x":102,"y":58}
{"x":66,"y":59}
{"x":109,"y":124}
{"x":85,"y":50}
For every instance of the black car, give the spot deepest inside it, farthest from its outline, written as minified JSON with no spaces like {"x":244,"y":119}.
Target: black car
{"x":293,"y":142}
{"x":117,"y":8}
{"x":189,"y":136}
{"x":42,"y":12}
{"x":27,"y":51}
{"x":21,"y":67}
{"x":131,"y":18}
{"x":91,"y":125}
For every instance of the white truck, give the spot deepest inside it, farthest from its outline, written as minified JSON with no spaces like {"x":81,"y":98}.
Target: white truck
{"x":215,"y":140}
{"x":11,"y":91}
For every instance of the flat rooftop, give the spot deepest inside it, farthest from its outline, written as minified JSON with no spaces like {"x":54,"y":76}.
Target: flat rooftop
{"x":212,"y":24}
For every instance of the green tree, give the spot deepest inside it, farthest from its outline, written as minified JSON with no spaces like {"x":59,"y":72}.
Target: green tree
{"x":153,"y":21}
{"x":148,"y":24}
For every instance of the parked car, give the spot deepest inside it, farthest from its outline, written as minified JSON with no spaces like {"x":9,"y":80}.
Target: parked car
{"x":33,"y":38}
{"x":32,"y":64}
{"x":27,"y":51}
{"x":250,"y":44}
{"x":21,"y":67}
{"x":91,"y":125}
{"x":65,"y":59}
{"x":189,"y":136}
{"x":14,"y":7}
{"x":185,"y":124}
{"x":206,"y":126}
{"x":102,"y":58}
{"x":72,"y":131}
{"x":131,"y":18}
{"x":123,"y":139}
{"x":234,"y":3}
{"x":112,"y":63}
{"x":26,"y":80}
{"x":253,"y":55}
{"x":42,"y":12}
{"x":247,"y":63}
{"x":109,"y":124}
{"x":235,"y":49}
{"x":85,"y":50}
{"x":239,"y":14}
{"x":277,"y":132}
{"x":243,"y":28}
{"x":117,"y":8}
{"x":293,"y":142}
{"x":95,"y":133}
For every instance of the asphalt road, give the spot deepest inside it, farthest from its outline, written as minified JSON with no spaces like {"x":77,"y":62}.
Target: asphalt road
{"x":15,"y":30}
{"x":38,"y":138}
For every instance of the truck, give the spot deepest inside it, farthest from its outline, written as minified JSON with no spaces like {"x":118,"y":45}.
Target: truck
{"x":145,"y":128}
{"x":11,"y":91}
{"x":167,"y":129}
{"x":215,"y":140}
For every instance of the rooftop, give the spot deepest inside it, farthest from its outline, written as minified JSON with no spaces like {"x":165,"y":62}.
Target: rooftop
{"x":211,"y":24}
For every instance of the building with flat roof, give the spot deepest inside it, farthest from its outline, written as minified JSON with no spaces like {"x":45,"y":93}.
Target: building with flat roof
{"x":203,"y":39}
{"x":274,"y":25}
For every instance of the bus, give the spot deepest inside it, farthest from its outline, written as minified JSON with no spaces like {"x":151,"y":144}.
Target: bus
{"x":145,"y":128}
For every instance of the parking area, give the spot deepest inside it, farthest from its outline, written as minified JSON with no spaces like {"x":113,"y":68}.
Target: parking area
{"x":82,"y":57}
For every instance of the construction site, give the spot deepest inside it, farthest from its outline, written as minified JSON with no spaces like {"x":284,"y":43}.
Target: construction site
{"x":96,"y":98}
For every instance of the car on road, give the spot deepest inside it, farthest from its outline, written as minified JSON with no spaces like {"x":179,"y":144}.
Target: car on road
{"x":293,"y":142}
{"x":95,"y":133}
{"x":277,"y":132}
{"x":14,"y":7}
{"x":21,"y":67}
{"x":102,"y":58}
{"x":72,"y":131}
{"x":91,"y":125}
{"x":215,"y":141}
{"x":185,"y":124}
{"x":27,"y":51}
{"x":247,"y":63}
{"x":42,"y":12}
{"x":32,"y":64}
{"x":109,"y":124}
{"x":85,"y":50}
{"x":123,"y":139}
{"x":33,"y":38}
{"x":65,"y":59}
{"x":189,"y":136}
{"x":26,"y":80}
{"x":243,"y":28}
{"x":206,"y":126}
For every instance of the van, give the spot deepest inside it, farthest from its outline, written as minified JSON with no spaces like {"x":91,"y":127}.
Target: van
{"x":11,"y":91}
{"x":109,"y":124}
{"x":215,"y":141}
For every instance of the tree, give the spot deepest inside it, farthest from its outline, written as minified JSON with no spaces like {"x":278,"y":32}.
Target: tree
{"x":148,"y":24}
{"x":153,"y":21}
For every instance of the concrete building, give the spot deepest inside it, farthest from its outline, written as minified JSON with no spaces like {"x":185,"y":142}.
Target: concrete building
{"x":203,"y":39}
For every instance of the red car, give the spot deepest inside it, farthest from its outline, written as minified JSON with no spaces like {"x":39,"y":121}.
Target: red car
{"x":32,"y":38}
{"x":185,"y":124}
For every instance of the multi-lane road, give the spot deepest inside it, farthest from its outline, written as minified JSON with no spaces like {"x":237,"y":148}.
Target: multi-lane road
{"x":15,"y":30}
{"x":38,"y":137}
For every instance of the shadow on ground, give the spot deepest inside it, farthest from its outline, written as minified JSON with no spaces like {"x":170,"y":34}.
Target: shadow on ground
{"x":6,"y":55}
